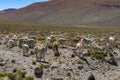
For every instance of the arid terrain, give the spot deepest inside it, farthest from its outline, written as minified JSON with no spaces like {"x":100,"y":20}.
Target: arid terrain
{"x":70,"y":65}
{"x":61,"y":40}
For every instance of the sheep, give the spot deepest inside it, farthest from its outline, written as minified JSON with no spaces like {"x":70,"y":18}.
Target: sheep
{"x":15,"y":36}
{"x":40,"y":52}
{"x":31,"y":43}
{"x":10,"y":43}
{"x":6,"y":39}
{"x":27,"y":40}
{"x":15,"y":39}
{"x":22,"y":41}
{"x":112,"y":40}
{"x":50,"y":38}
{"x":25,"y":49}
{"x":33,"y":37}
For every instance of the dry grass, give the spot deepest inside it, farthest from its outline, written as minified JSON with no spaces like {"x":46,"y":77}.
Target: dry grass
{"x":67,"y":31}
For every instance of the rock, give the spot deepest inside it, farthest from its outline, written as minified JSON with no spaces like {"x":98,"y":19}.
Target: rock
{"x":3,"y":63}
{"x":1,"y":60}
{"x":91,"y":77}
{"x":111,"y":59}
{"x":63,"y":66}
{"x":73,"y":55}
{"x":80,"y":67}
{"x":37,"y":70}
{"x":59,"y":79}
{"x":54,"y":65}
{"x":14,"y":70}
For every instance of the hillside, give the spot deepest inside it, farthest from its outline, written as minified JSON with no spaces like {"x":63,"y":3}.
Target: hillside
{"x":68,"y":12}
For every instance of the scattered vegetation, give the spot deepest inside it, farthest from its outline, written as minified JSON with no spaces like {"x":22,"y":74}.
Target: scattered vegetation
{"x":32,"y":52}
{"x":71,"y":31}
{"x":50,"y":46}
{"x":69,"y":74}
{"x":19,"y":75}
{"x":13,"y":60}
{"x":33,"y":62}
{"x":42,"y":66}
{"x":100,"y":55}
{"x":79,"y":62}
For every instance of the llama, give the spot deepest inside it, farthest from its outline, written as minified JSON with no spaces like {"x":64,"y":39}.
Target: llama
{"x":31,"y":43}
{"x":55,"y":48}
{"x":40,"y":52}
{"x":25,"y":49}
{"x":10,"y":43}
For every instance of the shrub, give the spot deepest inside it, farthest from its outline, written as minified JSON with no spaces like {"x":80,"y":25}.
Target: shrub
{"x":21,"y":73}
{"x":29,"y":78}
{"x":11,"y":76}
{"x":79,"y":62}
{"x":2,"y":74}
{"x":99,"y":55}
{"x":32,"y":52}
{"x":44,"y":66}
{"x":69,"y":74}
{"x":13,"y":60}
{"x":33,"y":62}
{"x":50,"y":46}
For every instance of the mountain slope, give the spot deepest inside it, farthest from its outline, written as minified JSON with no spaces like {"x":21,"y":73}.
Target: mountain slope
{"x":68,"y":12}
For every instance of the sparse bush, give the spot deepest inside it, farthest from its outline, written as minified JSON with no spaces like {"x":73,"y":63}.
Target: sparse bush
{"x":1,"y":78}
{"x":53,"y":79}
{"x":79,"y":62}
{"x":13,"y":60}
{"x":69,"y":74}
{"x":32,"y":52}
{"x":14,"y":70}
{"x":33,"y":62}
{"x":99,"y":55}
{"x":0,"y":43}
{"x":41,"y":38}
{"x":12,"y":76}
{"x":29,"y":78}
{"x":74,"y":79}
{"x":50,"y":46}
{"x":21,"y":73}
{"x":44,"y":66}
{"x":2,"y":74}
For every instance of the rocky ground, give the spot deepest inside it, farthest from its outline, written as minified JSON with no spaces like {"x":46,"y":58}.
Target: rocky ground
{"x":65,"y":67}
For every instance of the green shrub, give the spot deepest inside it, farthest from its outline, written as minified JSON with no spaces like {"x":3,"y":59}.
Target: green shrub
{"x":11,"y":76}
{"x":1,"y":78}
{"x":13,"y":60}
{"x":99,"y":55}
{"x":79,"y":62}
{"x":2,"y":74}
{"x":30,"y":78}
{"x":33,"y":62}
{"x":32,"y":52}
{"x":44,"y":66}
{"x":50,"y":46}
{"x":21,"y":73}
{"x":69,"y":74}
